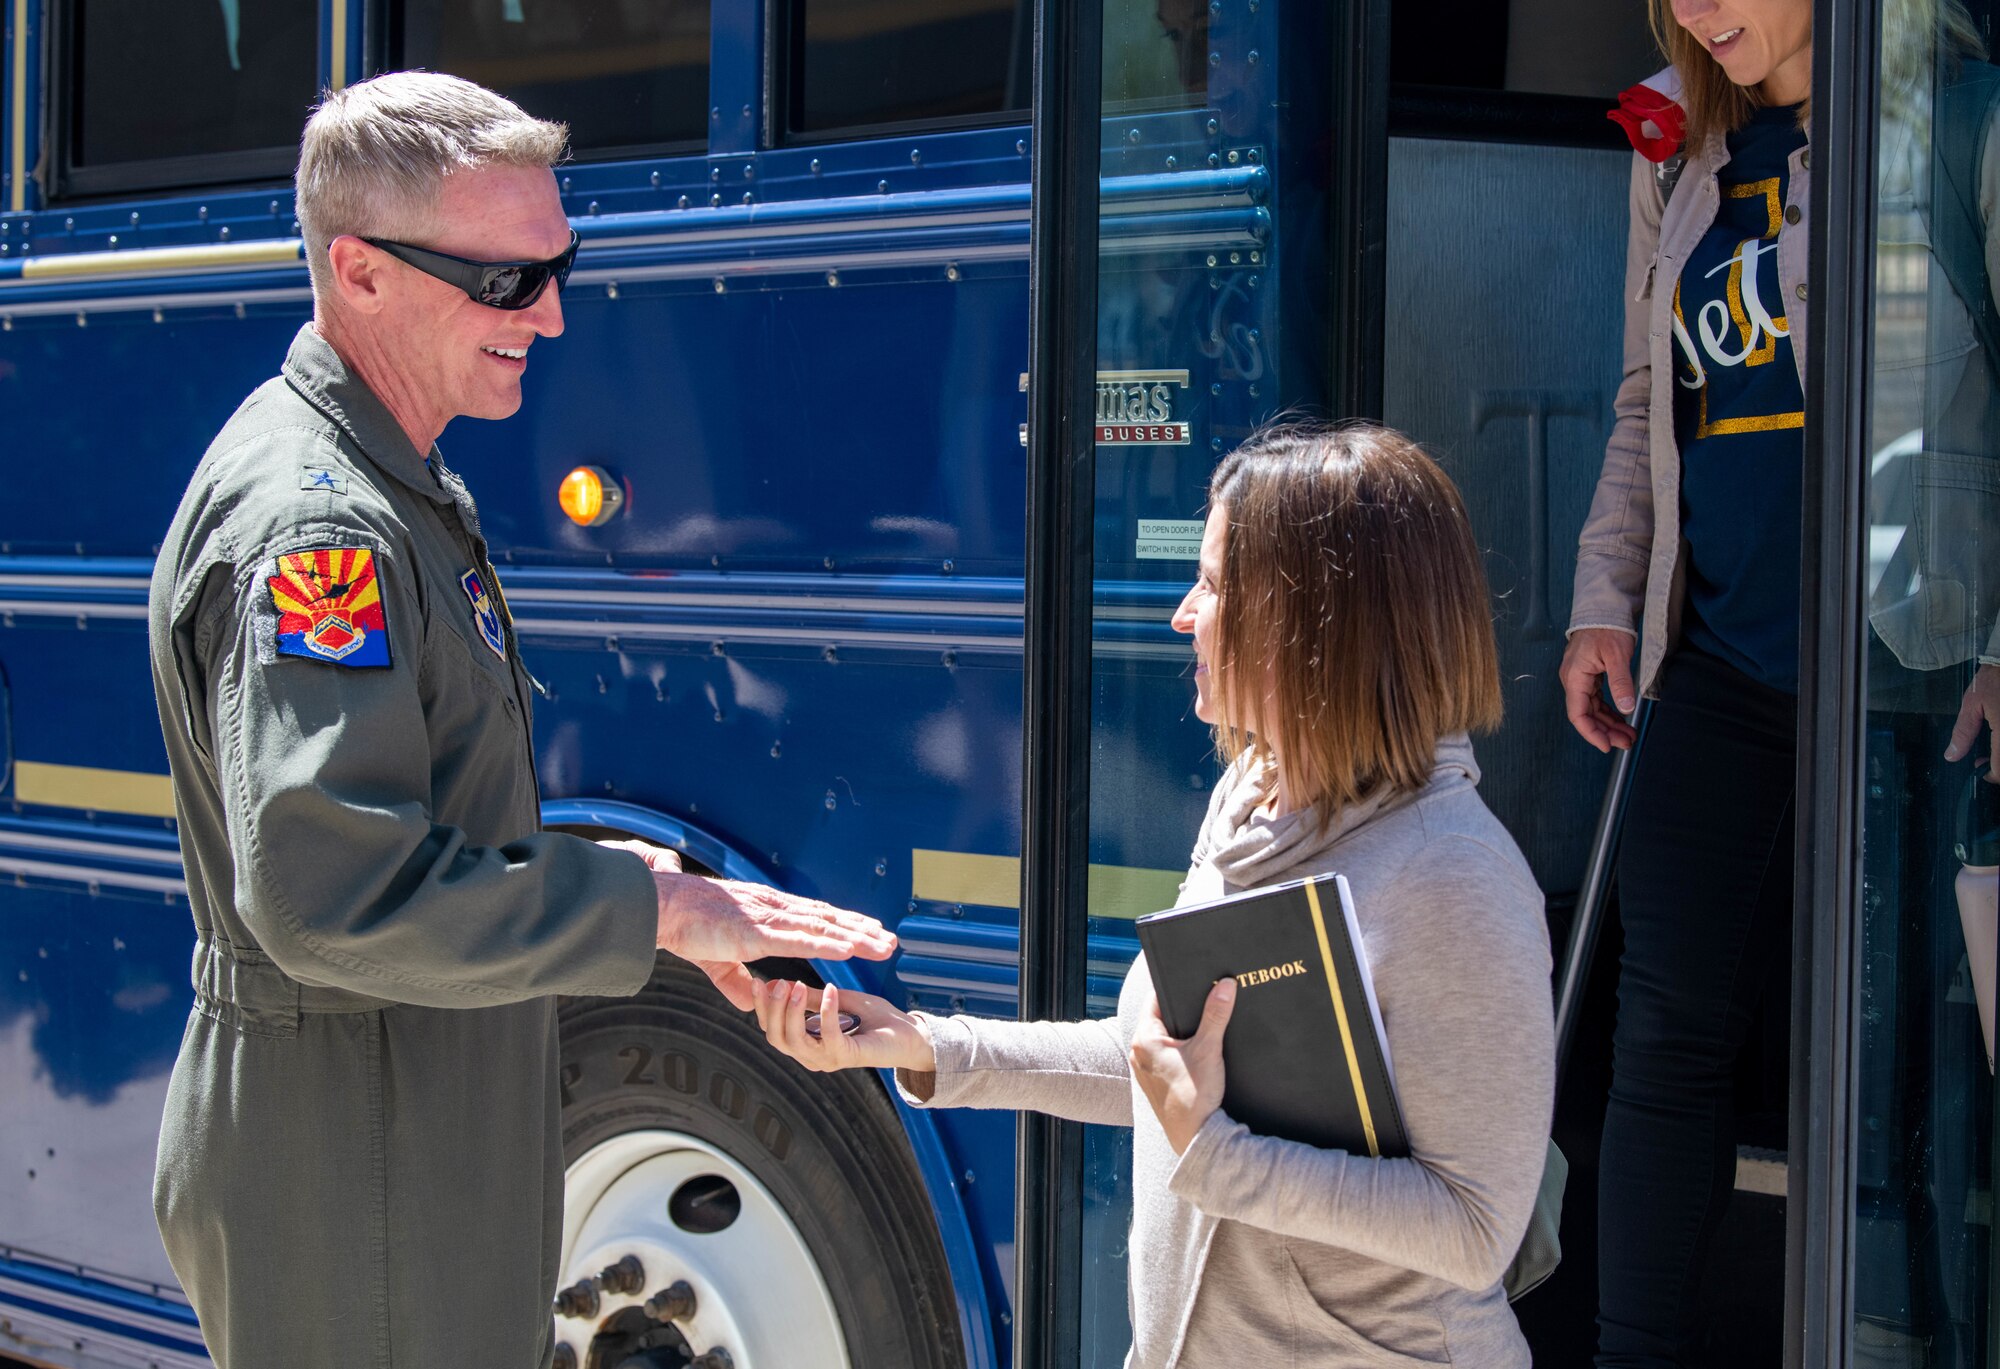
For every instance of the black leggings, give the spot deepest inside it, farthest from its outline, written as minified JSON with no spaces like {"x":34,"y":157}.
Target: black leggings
{"x":1705,"y":888}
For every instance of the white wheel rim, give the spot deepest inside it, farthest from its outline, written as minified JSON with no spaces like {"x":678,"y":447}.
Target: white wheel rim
{"x":759,"y":1293}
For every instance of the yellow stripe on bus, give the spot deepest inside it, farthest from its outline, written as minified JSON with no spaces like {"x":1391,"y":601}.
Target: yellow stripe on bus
{"x":101,"y":791}
{"x":336,"y":76}
{"x":18,"y":195}
{"x":995,"y":882}
{"x":147,"y":261}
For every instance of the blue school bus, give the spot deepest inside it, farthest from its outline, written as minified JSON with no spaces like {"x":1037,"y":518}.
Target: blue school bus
{"x":798,"y":639}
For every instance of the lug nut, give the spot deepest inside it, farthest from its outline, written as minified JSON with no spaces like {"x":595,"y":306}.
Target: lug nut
{"x":578,"y":1300}
{"x":718,"y":1358}
{"x":565,"y":1356}
{"x":627,"y":1276}
{"x":675,"y":1303}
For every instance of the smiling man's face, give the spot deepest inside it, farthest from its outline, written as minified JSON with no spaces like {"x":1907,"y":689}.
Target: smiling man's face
{"x":462,"y":358}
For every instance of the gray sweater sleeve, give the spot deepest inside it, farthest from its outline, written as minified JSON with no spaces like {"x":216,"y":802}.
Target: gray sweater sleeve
{"x":1465,"y":1000}
{"x":1075,"y":1070}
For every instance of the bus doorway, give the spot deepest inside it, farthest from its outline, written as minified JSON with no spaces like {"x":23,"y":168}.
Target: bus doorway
{"x":1451,"y":260}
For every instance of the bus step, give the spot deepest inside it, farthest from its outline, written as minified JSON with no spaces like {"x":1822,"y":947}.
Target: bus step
{"x":1760,"y":1171}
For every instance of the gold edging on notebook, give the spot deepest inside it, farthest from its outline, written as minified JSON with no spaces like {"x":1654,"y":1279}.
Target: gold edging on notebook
{"x":1340,"y":1015}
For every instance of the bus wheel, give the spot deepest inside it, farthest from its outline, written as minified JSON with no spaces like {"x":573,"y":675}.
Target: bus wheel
{"x":725,"y":1209}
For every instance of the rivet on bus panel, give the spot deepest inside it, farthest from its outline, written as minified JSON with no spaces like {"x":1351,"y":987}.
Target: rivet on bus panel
{"x":881,"y":868}
{"x":611,"y":289}
{"x":1021,"y":147}
{"x":951,"y":271}
{"x":1173,"y":163}
{"x":831,"y":802}
{"x":833,"y":278}
{"x":683,"y":202}
{"x":159,"y":316}
{"x":135,"y":218}
{"x":721,"y":286}
{"x":749,"y":172}
{"x":240,"y":310}
{"x":565,"y":185}
{"x":1214,"y":160}
{"x":223,"y":232}
{"x":916,"y":156}
{"x":69,"y":225}
{"x":881,"y":187}
{"x":1132,"y":136}
{"x":82,"y":319}
{"x":815,"y":166}
{"x":749,"y":198}
{"x":114,"y":241}
{"x":6,"y":323}
{"x":592,"y":211}
{"x":715,"y":200}
{"x":1234,"y":156}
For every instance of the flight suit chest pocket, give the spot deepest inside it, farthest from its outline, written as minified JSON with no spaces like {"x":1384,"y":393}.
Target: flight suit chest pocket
{"x":480,"y":779}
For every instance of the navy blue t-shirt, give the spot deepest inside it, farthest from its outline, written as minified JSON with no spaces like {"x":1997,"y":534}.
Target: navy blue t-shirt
{"x":1739,"y":416}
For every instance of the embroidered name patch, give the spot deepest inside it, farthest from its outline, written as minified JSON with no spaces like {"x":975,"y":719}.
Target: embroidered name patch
{"x":330,"y":607}
{"x":484,"y":612}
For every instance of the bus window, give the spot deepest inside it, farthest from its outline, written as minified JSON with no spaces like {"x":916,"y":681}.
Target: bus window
{"x":238,"y":77}
{"x":1543,"y":47}
{"x":625,"y":78}
{"x":856,"y":65}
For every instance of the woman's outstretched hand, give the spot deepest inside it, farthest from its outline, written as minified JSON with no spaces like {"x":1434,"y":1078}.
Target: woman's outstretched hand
{"x":1595,"y":657}
{"x":888,"y":1038}
{"x":1183,"y":1079}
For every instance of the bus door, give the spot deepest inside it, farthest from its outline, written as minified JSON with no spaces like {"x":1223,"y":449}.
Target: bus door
{"x":1894,"y":1233}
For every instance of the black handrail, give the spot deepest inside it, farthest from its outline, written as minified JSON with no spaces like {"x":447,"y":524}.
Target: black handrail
{"x":1055,"y":684}
{"x":1574,"y":974}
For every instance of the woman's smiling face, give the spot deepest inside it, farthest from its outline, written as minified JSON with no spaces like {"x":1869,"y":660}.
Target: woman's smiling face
{"x":1760,"y":44}
{"x":1197,"y":614}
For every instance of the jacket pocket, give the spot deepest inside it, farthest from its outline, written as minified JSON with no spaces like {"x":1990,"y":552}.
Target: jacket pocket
{"x":1322,"y":1330}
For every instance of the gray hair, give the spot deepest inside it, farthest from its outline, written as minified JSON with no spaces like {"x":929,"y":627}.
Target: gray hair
{"x":374,"y":156}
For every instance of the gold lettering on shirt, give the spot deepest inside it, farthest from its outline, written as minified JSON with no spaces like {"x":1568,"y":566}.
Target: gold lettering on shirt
{"x":1740,"y":317}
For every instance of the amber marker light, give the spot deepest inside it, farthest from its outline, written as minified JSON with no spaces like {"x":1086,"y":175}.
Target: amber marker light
{"x":590,"y":496}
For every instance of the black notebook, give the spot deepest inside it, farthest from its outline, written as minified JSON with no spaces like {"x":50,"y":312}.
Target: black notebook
{"x":1305,"y":1053}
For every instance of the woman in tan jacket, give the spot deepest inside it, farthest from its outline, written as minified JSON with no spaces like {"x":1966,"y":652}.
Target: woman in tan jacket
{"x":1343,"y":650}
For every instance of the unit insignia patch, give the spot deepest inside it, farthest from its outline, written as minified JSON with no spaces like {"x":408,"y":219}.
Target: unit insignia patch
{"x":484,"y":612}
{"x":330,"y":607}
{"x":321,"y":478}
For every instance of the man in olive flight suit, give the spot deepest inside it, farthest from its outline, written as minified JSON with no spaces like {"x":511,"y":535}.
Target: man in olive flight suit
{"x":360,"y":1162}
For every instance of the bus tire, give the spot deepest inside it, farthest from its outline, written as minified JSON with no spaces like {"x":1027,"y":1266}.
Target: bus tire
{"x":677,"y":1062}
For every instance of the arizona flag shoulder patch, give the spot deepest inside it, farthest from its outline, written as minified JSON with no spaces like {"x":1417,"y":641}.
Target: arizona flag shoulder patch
{"x":330,"y":607}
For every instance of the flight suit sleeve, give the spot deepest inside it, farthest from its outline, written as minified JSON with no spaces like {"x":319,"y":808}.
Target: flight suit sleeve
{"x":343,"y":872}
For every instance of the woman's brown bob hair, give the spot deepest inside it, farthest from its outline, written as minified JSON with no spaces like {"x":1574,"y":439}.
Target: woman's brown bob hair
{"x":1354,"y":600}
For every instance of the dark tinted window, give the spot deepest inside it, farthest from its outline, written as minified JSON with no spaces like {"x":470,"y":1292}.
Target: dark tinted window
{"x":859,"y":64}
{"x":157,"y":79}
{"x":1591,"y":48}
{"x":620,"y":74}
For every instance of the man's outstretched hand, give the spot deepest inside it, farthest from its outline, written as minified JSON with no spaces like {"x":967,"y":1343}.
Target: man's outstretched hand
{"x":718,"y":924}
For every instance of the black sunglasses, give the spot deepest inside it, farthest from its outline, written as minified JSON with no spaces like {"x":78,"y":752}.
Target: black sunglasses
{"x":496,"y":284}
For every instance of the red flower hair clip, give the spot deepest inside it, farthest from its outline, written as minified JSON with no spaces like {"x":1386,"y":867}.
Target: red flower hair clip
{"x":1643,"y":108}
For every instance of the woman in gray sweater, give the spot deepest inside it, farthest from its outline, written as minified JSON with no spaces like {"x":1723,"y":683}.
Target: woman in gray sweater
{"x":1343,"y":651}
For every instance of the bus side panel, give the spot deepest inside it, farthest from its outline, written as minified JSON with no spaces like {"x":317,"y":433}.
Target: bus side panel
{"x":91,"y":1014}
